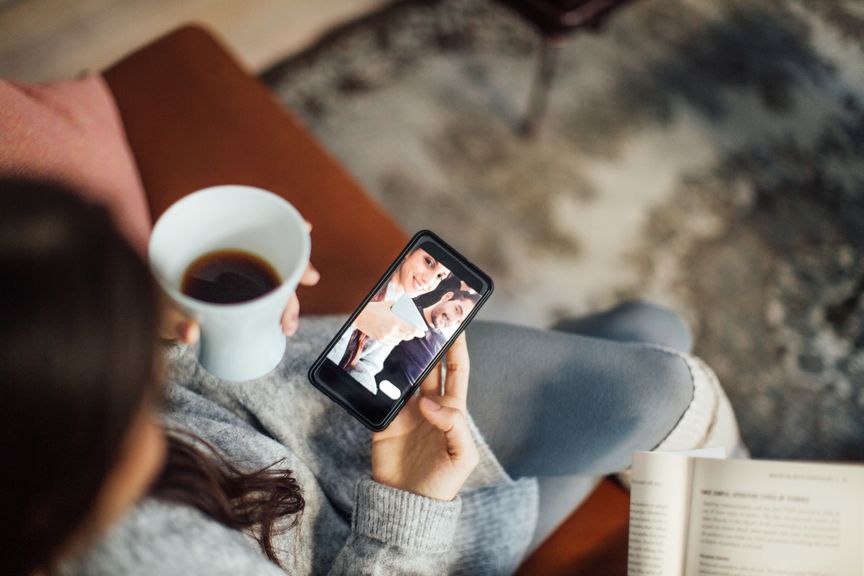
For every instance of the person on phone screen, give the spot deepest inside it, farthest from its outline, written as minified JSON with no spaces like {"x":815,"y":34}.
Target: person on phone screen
{"x":411,"y":357}
{"x":419,"y":273}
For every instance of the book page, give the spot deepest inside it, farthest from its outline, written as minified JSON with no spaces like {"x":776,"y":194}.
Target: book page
{"x":658,"y":514}
{"x":775,"y":519}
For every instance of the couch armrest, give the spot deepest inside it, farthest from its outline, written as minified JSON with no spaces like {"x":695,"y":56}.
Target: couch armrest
{"x":195,"y":118}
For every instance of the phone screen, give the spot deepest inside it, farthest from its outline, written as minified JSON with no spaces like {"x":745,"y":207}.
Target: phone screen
{"x":401,"y":329}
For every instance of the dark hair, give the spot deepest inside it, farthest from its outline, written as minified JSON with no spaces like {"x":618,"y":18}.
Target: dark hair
{"x":473,"y":297}
{"x":202,"y":478}
{"x":78,"y":349}
{"x":451,"y":284}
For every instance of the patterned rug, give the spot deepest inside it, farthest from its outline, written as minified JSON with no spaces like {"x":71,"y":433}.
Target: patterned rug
{"x":705,"y":155}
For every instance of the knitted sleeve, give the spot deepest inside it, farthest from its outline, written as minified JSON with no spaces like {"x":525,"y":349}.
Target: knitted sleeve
{"x":397,"y":532}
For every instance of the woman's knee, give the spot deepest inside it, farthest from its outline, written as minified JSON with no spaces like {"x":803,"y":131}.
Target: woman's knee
{"x":666,"y":393}
{"x":656,"y":324}
{"x":642,"y":405}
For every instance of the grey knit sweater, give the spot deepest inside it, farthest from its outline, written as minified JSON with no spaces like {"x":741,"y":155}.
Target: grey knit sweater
{"x":351,"y":524}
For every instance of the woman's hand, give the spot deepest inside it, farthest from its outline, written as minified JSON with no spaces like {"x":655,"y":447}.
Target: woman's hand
{"x":377,"y":321}
{"x":175,"y":325}
{"x":291,"y":315}
{"x":428,"y":449}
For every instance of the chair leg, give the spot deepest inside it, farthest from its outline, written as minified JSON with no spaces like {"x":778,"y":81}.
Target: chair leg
{"x":540,"y":87}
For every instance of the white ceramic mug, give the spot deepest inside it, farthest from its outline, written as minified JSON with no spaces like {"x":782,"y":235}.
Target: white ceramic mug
{"x":239,"y":341}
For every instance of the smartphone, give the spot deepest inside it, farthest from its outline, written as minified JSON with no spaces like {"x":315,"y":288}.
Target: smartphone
{"x":413,"y":314}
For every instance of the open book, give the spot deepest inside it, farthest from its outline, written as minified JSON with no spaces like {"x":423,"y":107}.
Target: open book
{"x":708,"y":517}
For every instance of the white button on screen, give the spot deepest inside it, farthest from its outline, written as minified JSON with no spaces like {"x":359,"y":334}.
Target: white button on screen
{"x":389,"y":390}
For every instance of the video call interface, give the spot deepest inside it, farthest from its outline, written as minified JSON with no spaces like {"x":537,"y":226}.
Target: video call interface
{"x":403,"y":327}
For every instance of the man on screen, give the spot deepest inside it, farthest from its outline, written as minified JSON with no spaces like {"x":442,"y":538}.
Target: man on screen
{"x":413,"y":356}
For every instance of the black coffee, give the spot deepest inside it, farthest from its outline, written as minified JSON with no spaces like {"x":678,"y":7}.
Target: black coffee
{"x":228,"y":277}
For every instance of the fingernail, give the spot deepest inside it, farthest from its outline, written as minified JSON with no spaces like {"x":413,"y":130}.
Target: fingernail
{"x":431,"y":405}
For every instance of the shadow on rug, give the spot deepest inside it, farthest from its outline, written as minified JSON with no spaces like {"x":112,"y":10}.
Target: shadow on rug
{"x":708,"y":156}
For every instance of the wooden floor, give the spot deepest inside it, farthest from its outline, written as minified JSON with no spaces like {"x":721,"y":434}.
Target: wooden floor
{"x":51,"y":39}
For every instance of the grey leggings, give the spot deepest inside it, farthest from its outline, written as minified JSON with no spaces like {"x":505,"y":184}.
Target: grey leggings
{"x":576,"y":401}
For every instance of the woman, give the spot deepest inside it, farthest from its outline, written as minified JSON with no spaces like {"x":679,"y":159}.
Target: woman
{"x":270,"y":476}
{"x":418,"y":273}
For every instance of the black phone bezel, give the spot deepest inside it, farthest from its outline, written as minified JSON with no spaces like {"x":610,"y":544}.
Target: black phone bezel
{"x":479,"y":281}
